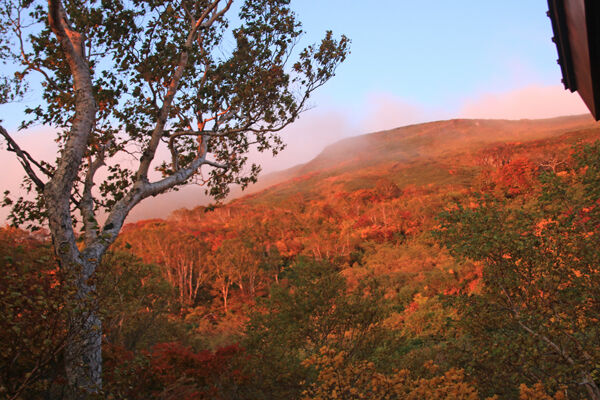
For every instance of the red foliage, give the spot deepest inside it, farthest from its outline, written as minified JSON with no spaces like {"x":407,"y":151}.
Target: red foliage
{"x":173,"y":371}
{"x":516,"y":177}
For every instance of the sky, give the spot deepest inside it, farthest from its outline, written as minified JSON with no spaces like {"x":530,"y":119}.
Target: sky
{"x":410,"y":62}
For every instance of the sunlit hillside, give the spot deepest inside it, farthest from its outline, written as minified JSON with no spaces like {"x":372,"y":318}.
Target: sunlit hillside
{"x":299,"y":200}
{"x":422,"y":154}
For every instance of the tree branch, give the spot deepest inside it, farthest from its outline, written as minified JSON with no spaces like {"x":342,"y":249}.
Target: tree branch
{"x":57,"y":192}
{"x":30,"y":65}
{"x":158,"y":131}
{"x":215,"y":16}
{"x":23,"y":159}
{"x":140,"y":191}
{"x":86,"y":205}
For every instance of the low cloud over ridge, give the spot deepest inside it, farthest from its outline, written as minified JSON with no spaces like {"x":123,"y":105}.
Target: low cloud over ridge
{"x":325,"y":125}
{"x":532,"y":102}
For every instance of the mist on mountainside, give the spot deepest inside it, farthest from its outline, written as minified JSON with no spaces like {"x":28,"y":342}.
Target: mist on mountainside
{"x":399,"y":144}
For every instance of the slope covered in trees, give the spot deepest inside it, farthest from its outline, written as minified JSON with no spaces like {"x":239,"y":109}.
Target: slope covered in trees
{"x":449,"y":260}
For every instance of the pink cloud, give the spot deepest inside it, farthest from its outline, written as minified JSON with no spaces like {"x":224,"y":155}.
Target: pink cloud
{"x":529,"y":102}
{"x":320,"y":127}
{"x":305,"y":139}
{"x":386,"y":111}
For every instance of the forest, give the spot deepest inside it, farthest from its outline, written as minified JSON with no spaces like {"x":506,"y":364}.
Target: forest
{"x":455,"y":259}
{"x":442,"y":263}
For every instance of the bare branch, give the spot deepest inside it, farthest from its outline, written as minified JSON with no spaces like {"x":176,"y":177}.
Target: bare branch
{"x":188,"y":13}
{"x":34,"y":67}
{"x":216,"y":164}
{"x":229,"y":132}
{"x":174,"y":153}
{"x":23,"y":159}
{"x":39,"y":165}
{"x":217,"y":14}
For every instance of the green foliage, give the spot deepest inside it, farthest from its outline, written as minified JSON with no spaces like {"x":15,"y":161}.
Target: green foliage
{"x":539,"y":301}
{"x":312,"y":311}
{"x":135,"y":308}
{"x":135,"y":303}
{"x":341,"y":378}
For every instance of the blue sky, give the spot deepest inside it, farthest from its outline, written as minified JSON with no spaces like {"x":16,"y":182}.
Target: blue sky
{"x":417,"y":61}
{"x":430,"y":56}
{"x":435,"y":52}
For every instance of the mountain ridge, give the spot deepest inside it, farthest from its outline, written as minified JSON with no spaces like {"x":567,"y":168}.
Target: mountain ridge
{"x":431,"y":140}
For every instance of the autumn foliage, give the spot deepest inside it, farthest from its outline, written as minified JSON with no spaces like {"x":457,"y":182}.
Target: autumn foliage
{"x":32,"y":320}
{"x":338,"y":378}
{"x":173,"y":371}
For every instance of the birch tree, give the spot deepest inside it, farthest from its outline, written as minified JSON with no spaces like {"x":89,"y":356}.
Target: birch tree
{"x":122,"y":79}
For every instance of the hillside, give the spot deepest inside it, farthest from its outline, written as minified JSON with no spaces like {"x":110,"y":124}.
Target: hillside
{"x":421,"y":153}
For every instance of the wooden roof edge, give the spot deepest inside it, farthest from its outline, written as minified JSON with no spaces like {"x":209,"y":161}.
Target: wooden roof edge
{"x":557,"y":15}
{"x":592,"y":15}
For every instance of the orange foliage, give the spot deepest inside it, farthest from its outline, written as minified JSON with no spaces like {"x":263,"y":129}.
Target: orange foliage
{"x":340,"y":378}
{"x":537,"y":392}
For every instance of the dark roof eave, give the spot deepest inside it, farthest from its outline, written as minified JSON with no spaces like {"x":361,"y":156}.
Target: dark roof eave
{"x":556,"y":12}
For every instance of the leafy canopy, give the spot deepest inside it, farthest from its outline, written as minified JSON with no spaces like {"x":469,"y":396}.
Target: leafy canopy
{"x":179,"y":75}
